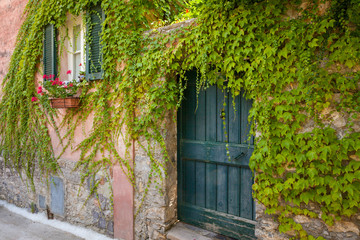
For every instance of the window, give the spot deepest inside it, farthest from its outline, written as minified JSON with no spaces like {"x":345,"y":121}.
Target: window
{"x":78,"y":53}
{"x":75,"y":48}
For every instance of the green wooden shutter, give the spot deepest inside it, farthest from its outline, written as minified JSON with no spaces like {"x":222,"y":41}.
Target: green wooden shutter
{"x":93,"y":43}
{"x":50,"y":65}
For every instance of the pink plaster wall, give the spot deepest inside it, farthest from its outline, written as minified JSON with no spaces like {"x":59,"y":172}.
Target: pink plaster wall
{"x":11,"y":19}
{"x":80,"y":134}
{"x":10,"y":22}
{"x":123,"y":205}
{"x":123,"y":200}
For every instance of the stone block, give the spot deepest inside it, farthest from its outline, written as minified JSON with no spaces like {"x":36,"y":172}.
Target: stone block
{"x":110,"y":227}
{"x":342,"y":226}
{"x":42,"y":202}
{"x":339,"y":120}
{"x":102,"y":223}
{"x":302,"y":219}
{"x":268,"y":224}
{"x":95,"y":216}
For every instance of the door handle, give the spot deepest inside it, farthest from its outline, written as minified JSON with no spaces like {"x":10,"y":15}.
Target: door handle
{"x":239,"y":156}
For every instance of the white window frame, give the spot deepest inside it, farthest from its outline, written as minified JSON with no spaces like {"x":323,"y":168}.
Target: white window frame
{"x":71,"y":23}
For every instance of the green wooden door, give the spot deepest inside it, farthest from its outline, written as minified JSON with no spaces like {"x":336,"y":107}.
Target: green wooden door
{"x":214,"y":191}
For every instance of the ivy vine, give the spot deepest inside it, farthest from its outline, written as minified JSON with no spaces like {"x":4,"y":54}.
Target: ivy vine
{"x":298,"y":61}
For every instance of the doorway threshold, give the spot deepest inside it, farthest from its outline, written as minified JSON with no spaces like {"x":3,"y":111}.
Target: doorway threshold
{"x":184,"y":231}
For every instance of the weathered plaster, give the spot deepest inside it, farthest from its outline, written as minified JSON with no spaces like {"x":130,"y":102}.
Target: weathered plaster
{"x":10,"y":23}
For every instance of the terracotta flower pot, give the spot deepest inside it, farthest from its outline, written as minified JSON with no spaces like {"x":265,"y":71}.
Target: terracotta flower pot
{"x":70,"y":102}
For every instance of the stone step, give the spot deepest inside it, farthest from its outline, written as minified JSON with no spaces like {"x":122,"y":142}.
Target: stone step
{"x":183,"y":231}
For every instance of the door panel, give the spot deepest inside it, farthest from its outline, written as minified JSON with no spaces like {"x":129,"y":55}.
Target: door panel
{"x":215,"y":185}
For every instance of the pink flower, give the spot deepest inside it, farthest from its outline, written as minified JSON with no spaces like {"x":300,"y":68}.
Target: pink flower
{"x":39,"y":90}
{"x":60,"y":83}
{"x":34,"y":99}
{"x":53,"y":83}
{"x":65,"y":86}
{"x":80,"y":65}
{"x":70,"y":85}
{"x":68,"y":72}
{"x":45,"y":76}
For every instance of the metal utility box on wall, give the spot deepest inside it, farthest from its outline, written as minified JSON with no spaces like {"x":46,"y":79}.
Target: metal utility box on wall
{"x":57,"y":195}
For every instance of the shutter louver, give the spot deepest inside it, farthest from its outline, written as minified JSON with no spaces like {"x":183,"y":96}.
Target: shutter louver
{"x":93,"y":46}
{"x":50,"y":50}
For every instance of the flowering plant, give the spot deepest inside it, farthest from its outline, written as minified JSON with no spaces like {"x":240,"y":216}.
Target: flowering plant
{"x":60,"y":89}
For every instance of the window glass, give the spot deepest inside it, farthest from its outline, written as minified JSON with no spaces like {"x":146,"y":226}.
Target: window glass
{"x":77,"y":38}
{"x":77,"y":51}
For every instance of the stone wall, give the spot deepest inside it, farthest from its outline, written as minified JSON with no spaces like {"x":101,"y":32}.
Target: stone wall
{"x":63,"y":195}
{"x":347,"y":228}
{"x":156,"y":213}
{"x":267,"y":227}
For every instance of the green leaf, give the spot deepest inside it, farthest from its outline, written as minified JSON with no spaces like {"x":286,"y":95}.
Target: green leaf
{"x":314,"y":43}
{"x":311,"y":155}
